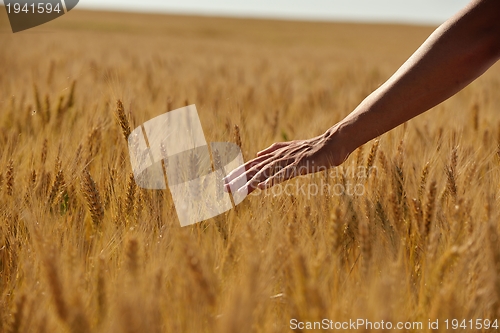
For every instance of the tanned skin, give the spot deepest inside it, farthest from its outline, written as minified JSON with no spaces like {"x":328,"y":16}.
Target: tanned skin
{"x":454,"y":55}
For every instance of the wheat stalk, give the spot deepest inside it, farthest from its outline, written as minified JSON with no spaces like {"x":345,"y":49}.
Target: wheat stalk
{"x":275,"y":122}
{"x":44,"y":184}
{"x":360,"y":155}
{"x":38,"y":103}
{"x":32,"y":179}
{"x":60,"y":108}
{"x":9,"y":178}
{"x":429,"y":208}
{"x":93,"y":198}
{"x":130,"y":196}
{"x":371,"y":157}
{"x":475,"y":117}
{"x":102,"y":302}
{"x":133,"y":257}
{"x":43,"y":155}
{"x":423,"y":179}
{"x":46,"y":110}
{"x":237,"y":136}
{"x":56,"y":288}
{"x":451,"y":182}
{"x":365,"y":243}
{"x":71,"y":97}
{"x":122,"y":119}
{"x":396,"y":207}
{"x":335,"y":232}
{"x":57,"y":188}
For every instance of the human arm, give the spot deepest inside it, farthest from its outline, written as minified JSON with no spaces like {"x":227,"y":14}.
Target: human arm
{"x":455,"y":54}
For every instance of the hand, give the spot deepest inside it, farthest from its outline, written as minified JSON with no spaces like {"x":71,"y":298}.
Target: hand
{"x":286,"y":160}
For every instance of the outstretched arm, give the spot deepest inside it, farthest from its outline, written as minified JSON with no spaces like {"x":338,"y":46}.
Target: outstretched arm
{"x":459,"y":51}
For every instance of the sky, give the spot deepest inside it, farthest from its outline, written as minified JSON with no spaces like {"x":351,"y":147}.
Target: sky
{"x":393,"y":11}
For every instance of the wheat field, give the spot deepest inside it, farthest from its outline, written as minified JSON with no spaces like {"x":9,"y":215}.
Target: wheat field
{"x":83,"y":249}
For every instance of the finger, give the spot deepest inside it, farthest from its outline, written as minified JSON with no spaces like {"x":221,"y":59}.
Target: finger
{"x":289,"y":172}
{"x":240,"y":178}
{"x":269,"y":171}
{"x":242,"y":169}
{"x":260,"y":168}
{"x":289,"y":165}
{"x":284,"y":174}
{"x":261,"y":156}
{"x":272,"y":148}
{"x":246,"y":185}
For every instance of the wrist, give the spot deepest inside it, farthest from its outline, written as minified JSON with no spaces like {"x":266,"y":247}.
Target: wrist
{"x":338,"y":144}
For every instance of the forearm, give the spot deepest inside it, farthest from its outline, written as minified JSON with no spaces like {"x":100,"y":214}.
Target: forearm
{"x":458,"y":52}
{"x":454,"y":55}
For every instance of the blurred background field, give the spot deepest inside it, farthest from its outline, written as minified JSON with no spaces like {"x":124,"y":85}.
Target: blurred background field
{"x":82,"y":249}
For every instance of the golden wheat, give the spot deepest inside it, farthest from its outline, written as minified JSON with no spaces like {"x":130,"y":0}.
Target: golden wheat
{"x":84,"y":249}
